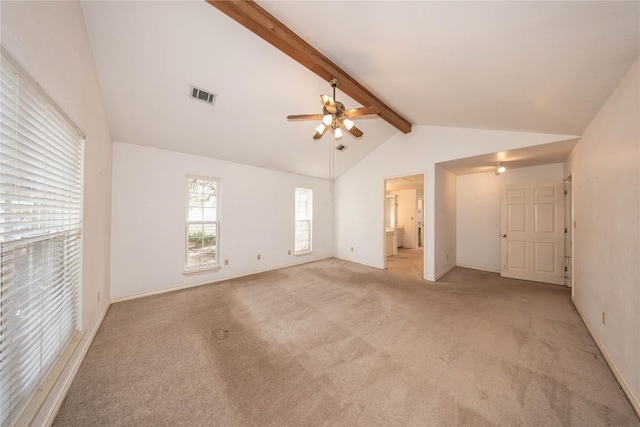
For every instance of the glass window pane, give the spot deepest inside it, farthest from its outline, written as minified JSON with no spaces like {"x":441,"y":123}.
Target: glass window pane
{"x":209,"y":236}
{"x":202,"y":217}
{"x":208,"y":201}
{"x":303,"y":215}
{"x":202,"y":245}
{"x":195,"y":235}
{"x":208,"y":214}
{"x":303,"y":235}
{"x":195,"y":214}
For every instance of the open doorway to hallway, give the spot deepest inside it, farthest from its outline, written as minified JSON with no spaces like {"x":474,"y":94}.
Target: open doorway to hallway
{"x":404,"y":224}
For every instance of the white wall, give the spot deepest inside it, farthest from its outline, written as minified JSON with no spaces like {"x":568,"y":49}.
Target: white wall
{"x":478,"y":216}
{"x":50,"y":41}
{"x":257,"y":217}
{"x":445,"y":221}
{"x":407,"y":202}
{"x":606,"y":192}
{"x":359,"y":192}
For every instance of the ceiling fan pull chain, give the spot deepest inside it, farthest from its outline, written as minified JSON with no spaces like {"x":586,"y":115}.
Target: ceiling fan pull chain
{"x":331,"y":144}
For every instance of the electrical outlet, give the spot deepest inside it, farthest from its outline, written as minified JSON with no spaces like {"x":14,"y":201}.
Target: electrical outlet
{"x":603,"y":319}
{"x":259,"y":257}
{"x":351,"y":248}
{"x":447,"y":257}
{"x":226,"y":262}
{"x":289,"y":251}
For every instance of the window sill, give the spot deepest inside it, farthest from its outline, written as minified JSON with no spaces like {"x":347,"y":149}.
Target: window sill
{"x":202,"y":270}
{"x":302,"y":253}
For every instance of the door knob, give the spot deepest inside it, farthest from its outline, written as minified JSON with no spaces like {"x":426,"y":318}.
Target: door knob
{"x":503,"y":235}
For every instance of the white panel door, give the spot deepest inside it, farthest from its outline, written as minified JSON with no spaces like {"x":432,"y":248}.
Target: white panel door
{"x":532,"y":223}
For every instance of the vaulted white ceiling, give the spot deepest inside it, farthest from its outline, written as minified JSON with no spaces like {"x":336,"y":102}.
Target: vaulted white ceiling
{"x":525,"y":66}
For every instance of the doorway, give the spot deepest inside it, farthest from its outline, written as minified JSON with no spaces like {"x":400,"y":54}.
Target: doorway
{"x":404,"y":224}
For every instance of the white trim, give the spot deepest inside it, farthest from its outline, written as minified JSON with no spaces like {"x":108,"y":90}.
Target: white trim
{"x":474,"y":267}
{"x":32,"y":405}
{"x":573,"y":237}
{"x":623,"y":384}
{"x":360,"y":262}
{"x":438,"y":276}
{"x":46,"y":413}
{"x":202,"y":270}
{"x":303,"y":253}
{"x":208,"y":282}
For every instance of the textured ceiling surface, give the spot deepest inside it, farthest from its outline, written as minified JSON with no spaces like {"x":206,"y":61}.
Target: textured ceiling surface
{"x":524,"y":66}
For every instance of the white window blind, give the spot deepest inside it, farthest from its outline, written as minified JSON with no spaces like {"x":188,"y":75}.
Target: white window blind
{"x":40,"y":223}
{"x":304,"y":216}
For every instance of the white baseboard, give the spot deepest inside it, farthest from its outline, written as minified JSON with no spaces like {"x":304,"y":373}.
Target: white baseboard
{"x":475,"y":267}
{"x":210,"y":281}
{"x":358,"y":262}
{"x":438,"y":276}
{"x":623,"y":384}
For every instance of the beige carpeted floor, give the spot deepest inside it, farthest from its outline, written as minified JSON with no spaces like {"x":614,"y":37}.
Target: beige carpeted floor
{"x":337,"y":343}
{"x":408,"y":262}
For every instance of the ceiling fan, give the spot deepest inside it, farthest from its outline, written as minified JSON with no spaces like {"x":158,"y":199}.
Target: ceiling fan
{"x":334,"y":116}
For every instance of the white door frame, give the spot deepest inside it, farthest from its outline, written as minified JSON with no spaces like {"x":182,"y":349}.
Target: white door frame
{"x":573,"y":235}
{"x":568,"y":225}
{"x":423,"y":219}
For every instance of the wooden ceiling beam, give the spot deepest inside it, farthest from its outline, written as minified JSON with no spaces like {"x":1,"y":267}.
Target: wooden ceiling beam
{"x":249,"y":14}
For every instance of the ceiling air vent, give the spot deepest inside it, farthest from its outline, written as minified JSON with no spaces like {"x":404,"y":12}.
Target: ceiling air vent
{"x":203,"y":95}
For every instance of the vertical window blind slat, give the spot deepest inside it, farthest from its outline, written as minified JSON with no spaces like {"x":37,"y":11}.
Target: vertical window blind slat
{"x":40,"y":221}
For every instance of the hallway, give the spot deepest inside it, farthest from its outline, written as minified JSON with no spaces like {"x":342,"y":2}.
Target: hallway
{"x":408,"y":261}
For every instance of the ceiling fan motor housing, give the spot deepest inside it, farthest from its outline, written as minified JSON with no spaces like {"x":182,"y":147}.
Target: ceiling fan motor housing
{"x":337,"y":116}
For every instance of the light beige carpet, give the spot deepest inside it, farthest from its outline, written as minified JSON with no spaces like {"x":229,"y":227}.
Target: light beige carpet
{"x":337,"y":343}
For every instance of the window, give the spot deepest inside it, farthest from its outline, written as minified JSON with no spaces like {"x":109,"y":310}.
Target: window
{"x":202,"y":224}
{"x":304,"y":216}
{"x":40,"y":224}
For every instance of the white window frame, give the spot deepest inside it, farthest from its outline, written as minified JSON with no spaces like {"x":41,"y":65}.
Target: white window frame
{"x":303,"y":219}
{"x":213,"y":265}
{"x":40,"y":243}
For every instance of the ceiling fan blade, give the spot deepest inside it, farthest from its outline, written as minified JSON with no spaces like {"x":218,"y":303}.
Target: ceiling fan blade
{"x":328,"y":103}
{"x":353,"y":131}
{"x":362,"y":111}
{"x":320,"y":130}
{"x":304,"y":116}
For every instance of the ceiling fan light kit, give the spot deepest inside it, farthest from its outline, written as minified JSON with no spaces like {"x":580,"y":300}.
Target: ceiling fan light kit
{"x":501,"y":169}
{"x":348,"y":124}
{"x":335,"y":116}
